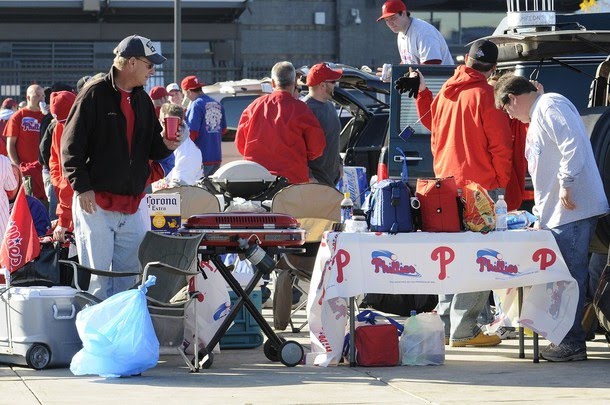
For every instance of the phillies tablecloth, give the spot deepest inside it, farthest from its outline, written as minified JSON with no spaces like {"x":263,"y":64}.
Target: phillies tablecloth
{"x":349,"y":264}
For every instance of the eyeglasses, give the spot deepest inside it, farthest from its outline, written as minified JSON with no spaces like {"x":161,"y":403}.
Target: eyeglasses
{"x":148,"y":64}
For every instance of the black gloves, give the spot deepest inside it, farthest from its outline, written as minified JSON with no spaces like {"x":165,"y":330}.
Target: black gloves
{"x":408,"y":84}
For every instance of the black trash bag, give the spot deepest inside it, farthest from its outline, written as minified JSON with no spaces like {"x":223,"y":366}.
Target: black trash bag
{"x":400,"y":304}
{"x":45,"y":270}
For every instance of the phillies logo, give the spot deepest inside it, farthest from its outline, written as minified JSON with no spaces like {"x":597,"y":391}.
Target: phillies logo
{"x":30,"y":124}
{"x":222,"y":311}
{"x":444,"y":255}
{"x":546,"y":257}
{"x":387,"y":262}
{"x":556,"y":293}
{"x":342,"y":259}
{"x":490,"y":260}
{"x":14,"y":239}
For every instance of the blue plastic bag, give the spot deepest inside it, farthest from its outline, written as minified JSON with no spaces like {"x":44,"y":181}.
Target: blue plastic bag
{"x":118,"y":336}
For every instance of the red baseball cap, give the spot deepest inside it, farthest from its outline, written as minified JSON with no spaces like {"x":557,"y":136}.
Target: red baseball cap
{"x":158,"y":92}
{"x":9,"y":103}
{"x":191,"y":83}
{"x":321,"y":73}
{"x":390,"y":8}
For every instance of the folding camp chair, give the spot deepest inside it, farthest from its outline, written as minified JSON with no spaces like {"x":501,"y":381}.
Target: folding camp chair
{"x":316,"y":207}
{"x":172,"y":260}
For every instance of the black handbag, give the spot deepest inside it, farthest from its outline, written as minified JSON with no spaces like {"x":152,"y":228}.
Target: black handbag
{"x":45,"y":270}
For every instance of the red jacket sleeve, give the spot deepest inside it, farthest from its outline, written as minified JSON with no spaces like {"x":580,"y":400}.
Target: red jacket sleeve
{"x":243,"y":129}
{"x":54,"y":159}
{"x":423,"y":102}
{"x":500,"y":142}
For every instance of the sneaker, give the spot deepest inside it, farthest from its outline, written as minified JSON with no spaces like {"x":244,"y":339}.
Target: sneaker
{"x":479,"y":340}
{"x":564,"y":352}
{"x":507,"y":332}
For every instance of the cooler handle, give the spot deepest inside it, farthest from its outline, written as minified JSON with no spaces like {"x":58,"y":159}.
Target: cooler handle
{"x":57,"y":316}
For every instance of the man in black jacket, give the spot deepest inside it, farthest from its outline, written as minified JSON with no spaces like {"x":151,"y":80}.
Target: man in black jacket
{"x":110,"y":136}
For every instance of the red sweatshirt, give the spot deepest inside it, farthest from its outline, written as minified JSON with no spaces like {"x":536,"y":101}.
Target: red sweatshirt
{"x":471,"y":139}
{"x":280,"y":133}
{"x":61,"y":102}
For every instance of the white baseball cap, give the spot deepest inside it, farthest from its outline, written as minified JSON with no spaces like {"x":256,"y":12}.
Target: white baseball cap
{"x":172,"y":87}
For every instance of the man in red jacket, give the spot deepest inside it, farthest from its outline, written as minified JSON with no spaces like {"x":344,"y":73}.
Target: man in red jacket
{"x":280,"y":132}
{"x":471,"y":140}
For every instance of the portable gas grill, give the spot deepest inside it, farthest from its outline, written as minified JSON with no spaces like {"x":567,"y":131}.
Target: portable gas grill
{"x":261,"y":237}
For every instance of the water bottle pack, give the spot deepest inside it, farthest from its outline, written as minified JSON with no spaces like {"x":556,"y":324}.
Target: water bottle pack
{"x":501,"y":210}
{"x":423,"y":340}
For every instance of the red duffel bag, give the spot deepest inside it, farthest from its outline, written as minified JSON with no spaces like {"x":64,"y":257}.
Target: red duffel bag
{"x":439,"y":205}
{"x":377,"y":345}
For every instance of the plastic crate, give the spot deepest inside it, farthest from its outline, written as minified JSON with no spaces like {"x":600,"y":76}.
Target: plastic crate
{"x":245,"y":332}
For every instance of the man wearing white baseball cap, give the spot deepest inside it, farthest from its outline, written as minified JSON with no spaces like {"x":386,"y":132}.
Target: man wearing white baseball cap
{"x":175,"y":94}
{"x":111,"y":134}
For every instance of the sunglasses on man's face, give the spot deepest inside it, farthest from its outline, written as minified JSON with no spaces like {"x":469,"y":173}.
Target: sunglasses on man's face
{"x":148,"y":64}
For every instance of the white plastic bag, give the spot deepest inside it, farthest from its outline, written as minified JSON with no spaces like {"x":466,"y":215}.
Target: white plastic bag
{"x":212,"y":306}
{"x":423,"y":340}
{"x":118,"y":336}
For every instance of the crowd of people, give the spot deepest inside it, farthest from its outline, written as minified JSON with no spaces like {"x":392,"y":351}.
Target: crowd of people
{"x":92,"y":156}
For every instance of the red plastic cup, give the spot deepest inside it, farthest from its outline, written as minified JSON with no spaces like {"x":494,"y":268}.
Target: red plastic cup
{"x":172,"y":125}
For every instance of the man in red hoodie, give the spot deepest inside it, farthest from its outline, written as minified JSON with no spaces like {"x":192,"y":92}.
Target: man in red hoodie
{"x":61,"y":103}
{"x":470,"y":140}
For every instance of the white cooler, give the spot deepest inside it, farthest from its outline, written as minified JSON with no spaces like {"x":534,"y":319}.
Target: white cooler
{"x":37,"y":326}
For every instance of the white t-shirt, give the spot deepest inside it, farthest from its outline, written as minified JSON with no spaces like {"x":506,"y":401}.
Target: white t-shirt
{"x":422,"y":42}
{"x":187,"y":166}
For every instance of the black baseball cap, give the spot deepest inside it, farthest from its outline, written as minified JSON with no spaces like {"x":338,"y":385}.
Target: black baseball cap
{"x":137,"y":46}
{"x":484,"y":51}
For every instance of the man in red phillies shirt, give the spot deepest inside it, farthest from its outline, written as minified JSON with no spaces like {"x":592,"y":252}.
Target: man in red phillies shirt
{"x":280,"y":132}
{"x":109,"y":138}
{"x":23,"y":137}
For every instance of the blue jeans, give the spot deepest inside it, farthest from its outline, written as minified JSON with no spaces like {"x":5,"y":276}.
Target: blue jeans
{"x":573,"y":240}
{"x":108,"y":240}
{"x":459,"y":313}
{"x":50,"y":190}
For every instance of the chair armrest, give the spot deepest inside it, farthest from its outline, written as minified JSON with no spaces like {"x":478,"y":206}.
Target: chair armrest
{"x":76,"y":267}
{"x":170,"y":268}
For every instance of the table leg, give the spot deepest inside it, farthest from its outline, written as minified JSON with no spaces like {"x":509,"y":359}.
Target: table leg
{"x":352,"y":332}
{"x":536,"y":349}
{"x":521,"y":329}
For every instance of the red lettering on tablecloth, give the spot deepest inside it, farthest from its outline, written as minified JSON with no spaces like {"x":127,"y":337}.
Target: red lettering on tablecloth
{"x":444,"y":255}
{"x":342,"y":258}
{"x":545,"y":256}
{"x":499,"y":267}
{"x":394,"y":267}
{"x":324,"y":341}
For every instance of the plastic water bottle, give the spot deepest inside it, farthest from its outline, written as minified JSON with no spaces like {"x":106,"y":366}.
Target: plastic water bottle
{"x":347,"y":207}
{"x":501,"y":210}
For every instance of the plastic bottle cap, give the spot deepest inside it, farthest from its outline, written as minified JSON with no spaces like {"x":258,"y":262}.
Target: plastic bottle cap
{"x":501,"y":197}
{"x":346,"y":194}
{"x":413,"y":312}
